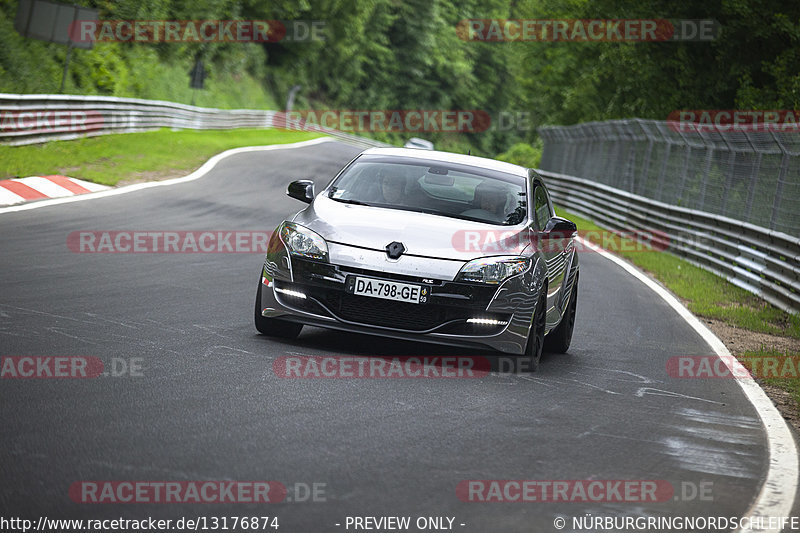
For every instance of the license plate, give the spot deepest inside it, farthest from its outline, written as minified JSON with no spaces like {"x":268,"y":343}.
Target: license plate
{"x":388,"y":290}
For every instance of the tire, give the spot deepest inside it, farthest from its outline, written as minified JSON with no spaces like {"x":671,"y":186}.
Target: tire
{"x":274,"y":327}
{"x":558,"y":340}
{"x":533,"y":350}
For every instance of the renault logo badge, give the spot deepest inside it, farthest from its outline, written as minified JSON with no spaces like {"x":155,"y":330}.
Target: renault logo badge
{"x":395,"y":249}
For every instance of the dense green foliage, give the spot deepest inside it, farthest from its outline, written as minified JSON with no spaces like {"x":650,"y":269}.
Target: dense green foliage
{"x":523,"y":154}
{"x":154,"y":71}
{"x":393,"y":54}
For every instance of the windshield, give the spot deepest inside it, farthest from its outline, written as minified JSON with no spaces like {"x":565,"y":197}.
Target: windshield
{"x":444,"y":189}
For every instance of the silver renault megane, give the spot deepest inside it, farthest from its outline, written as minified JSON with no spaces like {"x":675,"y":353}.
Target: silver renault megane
{"x":425,"y":245}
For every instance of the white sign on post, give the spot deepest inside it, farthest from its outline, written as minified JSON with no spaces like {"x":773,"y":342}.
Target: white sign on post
{"x":51,"y":21}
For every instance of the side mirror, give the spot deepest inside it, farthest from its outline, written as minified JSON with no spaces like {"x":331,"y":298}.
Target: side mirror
{"x":558,"y":227}
{"x":302,"y":190}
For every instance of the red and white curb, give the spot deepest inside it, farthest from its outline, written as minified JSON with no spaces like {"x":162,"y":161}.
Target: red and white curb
{"x":18,"y":190}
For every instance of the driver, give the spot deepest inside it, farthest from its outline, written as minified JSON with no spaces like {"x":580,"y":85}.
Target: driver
{"x":392,"y":187}
{"x":491,"y":199}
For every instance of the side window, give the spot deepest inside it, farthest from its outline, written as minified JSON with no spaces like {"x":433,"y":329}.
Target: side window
{"x":550,"y":204}
{"x":541,"y":208}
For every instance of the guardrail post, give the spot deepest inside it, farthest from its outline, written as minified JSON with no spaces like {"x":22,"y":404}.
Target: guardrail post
{"x":756,"y":168}
{"x":729,"y":180}
{"x":646,"y":166}
{"x":684,"y":173}
{"x":662,"y":173}
{"x":776,"y":202}
{"x":706,"y":171}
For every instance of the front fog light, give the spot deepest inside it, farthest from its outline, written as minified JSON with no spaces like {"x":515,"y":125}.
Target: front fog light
{"x":290,"y":292}
{"x":487,"y":321}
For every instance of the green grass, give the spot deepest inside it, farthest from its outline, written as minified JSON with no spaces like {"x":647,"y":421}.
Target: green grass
{"x":706,"y":294}
{"x":787,"y":367}
{"x":110,"y":159}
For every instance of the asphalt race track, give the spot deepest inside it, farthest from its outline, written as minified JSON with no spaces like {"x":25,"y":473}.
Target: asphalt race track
{"x":208,"y":406}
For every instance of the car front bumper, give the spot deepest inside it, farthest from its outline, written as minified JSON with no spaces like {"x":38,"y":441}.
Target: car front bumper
{"x":313,"y":293}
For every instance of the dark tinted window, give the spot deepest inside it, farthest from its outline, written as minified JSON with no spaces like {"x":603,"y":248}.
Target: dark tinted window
{"x":541,"y":207}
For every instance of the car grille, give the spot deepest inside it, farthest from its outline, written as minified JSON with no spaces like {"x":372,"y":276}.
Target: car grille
{"x":387,"y":313}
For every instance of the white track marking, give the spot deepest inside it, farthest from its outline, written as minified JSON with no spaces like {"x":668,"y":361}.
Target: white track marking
{"x":777,"y":494}
{"x":92,"y":186}
{"x":660,"y":392}
{"x":7,"y":197}
{"x":197,"y":174}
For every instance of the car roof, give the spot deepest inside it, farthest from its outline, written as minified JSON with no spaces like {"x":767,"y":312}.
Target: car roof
{"x":449,"y":157}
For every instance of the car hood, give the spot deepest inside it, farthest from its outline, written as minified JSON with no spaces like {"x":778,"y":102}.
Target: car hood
{"x":422,"y":234}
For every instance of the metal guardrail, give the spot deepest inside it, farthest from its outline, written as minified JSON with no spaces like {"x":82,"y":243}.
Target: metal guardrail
{"x":762,"y":261}
{"x":37,"y":118}
{"x":751,"y":175}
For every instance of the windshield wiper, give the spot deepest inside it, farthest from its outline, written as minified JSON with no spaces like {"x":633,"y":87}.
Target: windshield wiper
{"x":347,"y":201}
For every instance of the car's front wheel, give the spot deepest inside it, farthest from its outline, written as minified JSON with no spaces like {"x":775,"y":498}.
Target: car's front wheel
{"x":533,"y":350}
{"x":559,"y":339}
{"x":274,"y":327}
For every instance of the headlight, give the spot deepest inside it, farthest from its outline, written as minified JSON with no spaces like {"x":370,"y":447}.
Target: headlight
{"x":493,"y":269}
{"x":303,"y":242}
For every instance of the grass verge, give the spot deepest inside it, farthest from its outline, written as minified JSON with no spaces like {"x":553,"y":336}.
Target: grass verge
{"x":704,"y":293}
{"x":777,"y":370}
{"x":129,"y":157}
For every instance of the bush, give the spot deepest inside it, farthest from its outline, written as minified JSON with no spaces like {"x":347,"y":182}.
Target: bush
{"x":524,"y":154}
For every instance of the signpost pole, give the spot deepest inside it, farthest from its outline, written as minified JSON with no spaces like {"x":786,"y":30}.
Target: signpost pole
{"x":66,"y":67}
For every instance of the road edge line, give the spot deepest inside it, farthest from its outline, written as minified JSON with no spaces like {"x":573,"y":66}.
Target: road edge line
{"x":782,"y":472}
{"x":197,"y":174}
